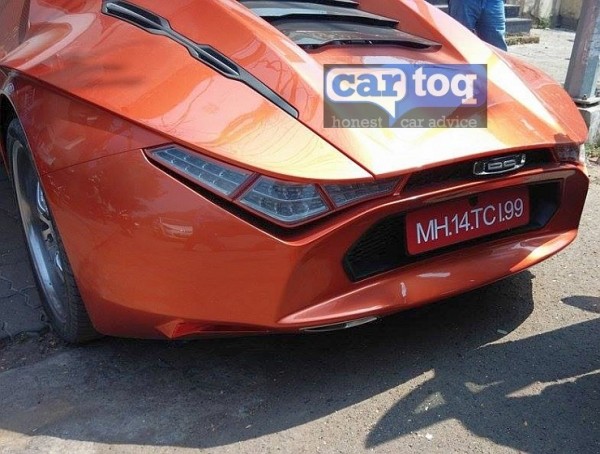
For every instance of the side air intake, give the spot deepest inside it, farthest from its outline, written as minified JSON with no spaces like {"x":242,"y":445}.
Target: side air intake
{"x":157,"y":25}
{"x":136,"y":16}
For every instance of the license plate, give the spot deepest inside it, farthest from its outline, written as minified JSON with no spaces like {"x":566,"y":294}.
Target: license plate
{"x":465,"y":219}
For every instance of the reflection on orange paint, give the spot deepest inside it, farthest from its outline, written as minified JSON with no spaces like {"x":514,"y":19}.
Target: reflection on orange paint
{"x":154,"y":257}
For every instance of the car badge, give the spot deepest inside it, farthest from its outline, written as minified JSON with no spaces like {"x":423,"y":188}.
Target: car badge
{"x":500,"y":165}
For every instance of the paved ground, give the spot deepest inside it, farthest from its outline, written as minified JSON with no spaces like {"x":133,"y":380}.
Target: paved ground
{"x":512,"y":367}
{"x":19,"y":303}
{"x":552,"y":54}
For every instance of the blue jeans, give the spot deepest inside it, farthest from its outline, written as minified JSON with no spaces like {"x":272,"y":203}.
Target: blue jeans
{"x":484,"y":17}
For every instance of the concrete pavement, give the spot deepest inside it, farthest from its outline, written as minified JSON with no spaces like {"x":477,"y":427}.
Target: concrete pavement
{"x":552,"y":54}
{"x":20,"y":310}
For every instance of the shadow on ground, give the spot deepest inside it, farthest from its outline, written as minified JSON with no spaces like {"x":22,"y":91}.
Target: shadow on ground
{"x":216,"y":392}
{"x":540,"y":394}
{"x":586,"y":303}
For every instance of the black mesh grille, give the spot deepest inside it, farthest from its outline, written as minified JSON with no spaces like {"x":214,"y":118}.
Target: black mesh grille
{"x":383,"y":247}
{"x":379,"y":250}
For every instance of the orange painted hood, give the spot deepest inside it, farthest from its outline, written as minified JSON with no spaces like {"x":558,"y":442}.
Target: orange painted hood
{"x":155,"y":82}
{"x":526,"y":107}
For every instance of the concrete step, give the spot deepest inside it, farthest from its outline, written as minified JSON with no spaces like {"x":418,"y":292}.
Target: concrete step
{"x":515,"y":25}
{"x":510,"y":10}
{"x":518,"y":26}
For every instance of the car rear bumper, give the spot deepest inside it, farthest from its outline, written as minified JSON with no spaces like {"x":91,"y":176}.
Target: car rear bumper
{"x":155,"y":258}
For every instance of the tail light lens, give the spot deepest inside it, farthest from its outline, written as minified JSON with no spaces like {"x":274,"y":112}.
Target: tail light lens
{"x":283,"y":202}
{"x":570,"y":153}
{"x":345,"y":194}
{"x":286,"y":202}
{"x":219,"y":177}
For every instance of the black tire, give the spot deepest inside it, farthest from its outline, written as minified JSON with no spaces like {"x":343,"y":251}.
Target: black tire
{"x":56,"y":284}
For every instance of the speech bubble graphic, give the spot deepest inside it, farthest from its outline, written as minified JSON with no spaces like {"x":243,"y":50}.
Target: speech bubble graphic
{"x":382,"y":86}
{"x":449,"y":86}
{"x":420,"y":92}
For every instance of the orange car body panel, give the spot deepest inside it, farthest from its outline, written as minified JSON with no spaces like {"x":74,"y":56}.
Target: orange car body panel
{"x":241,"y":275}
{"x":155,"y":258}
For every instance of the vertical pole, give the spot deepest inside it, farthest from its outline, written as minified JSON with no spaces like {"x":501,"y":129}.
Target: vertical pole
{"x":582,"y":76}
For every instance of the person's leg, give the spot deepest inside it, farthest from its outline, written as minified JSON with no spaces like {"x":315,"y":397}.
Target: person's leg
{"x":491,"y":26}
{"x":466,"y":12}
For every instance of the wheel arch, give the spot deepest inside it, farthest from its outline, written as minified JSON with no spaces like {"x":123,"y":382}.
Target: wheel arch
{"x":7,"y":114}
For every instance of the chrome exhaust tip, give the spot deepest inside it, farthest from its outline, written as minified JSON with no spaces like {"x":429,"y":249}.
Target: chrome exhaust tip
{"x":339,"y":326}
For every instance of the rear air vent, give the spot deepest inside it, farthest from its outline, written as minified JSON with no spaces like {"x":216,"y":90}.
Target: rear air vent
{"x":157,"y":25}
{"x":313,"y":23}
{"x":272,"y":10}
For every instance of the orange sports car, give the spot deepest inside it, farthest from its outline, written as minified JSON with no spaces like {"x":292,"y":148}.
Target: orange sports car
{"x":177,"y":174}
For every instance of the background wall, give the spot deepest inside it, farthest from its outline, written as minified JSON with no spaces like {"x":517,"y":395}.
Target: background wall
{"x":569,"y":12}
{"x":563,"y":13}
